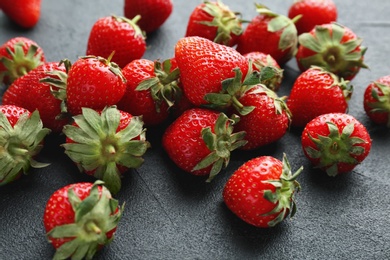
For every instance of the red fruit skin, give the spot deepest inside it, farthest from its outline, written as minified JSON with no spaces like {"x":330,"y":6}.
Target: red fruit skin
{"x":183,"y":142}
{"x":153,"y":12}
{"x":92,"y":84}
{"x":311,"y":96}
{"x":313,"y":13}
{"x":243,"y":193}
{"x":204,"y":65}
{"x":28,"y":92}
{"x":318,"y":126}
{"x":109,"y":34}
{"x":381,"y":118}
{"x":262,"y":58}
{"x":12,"y":112}
{"x":25,"y":13}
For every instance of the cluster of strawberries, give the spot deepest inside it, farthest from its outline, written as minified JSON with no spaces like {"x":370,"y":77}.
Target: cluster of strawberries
{"x":219,"y":93}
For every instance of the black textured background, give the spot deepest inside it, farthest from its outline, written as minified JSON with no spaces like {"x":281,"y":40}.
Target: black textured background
{"x":170,"y":214}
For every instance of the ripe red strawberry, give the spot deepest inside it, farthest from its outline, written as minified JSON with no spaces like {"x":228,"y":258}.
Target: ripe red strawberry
{"x":204,"y":64}
{"x":106,"y":143}
{"x":215,"y":21}
{"x":18,"y":56}
{"x":334,"y":47}
{"x":153,"y":12}
{"x":313,"y":12}
{"x":21,"y":139}
{"x":316,"y":92}
{"x":80,"y":219}
{"x":270,"y":33}
{"x":377,"y":101}
{"x":152,"y":88}
{"x":335,"y":143}
{"x":25,"y":13}
{"x":29,"y":92}
{"x":117,"y":34}
{"x":261,"y":191}
{"x":200,"y":141}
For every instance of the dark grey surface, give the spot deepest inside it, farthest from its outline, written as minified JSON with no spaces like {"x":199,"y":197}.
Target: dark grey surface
{"x":170,"y":214}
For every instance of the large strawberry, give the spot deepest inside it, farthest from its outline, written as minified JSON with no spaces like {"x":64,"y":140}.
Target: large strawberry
{"x":153,"y":12}
{"x":21,"y":139}
{"x":117,"y":34}
{"x":316,"y":92}
{"x":204,"y":64}
{"x":25,"y":13}
{"x":377,"y":101}
{"x":80,"y":219}
{"x":18,"y":56}
{"x":334,"y":47}
{"x":270,"y":33}
{"x":335,"y":142}
{"x":200,"y":141}
{"x":215,"y":21}
{"x":106,"y":143}
{"x":261,"y":191}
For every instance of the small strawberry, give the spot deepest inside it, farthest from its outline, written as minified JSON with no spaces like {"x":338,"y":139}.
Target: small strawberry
{"x":270,"y":33}
{"x":335,"y":143}
{"x":377,"y":101}
{"x":334,"y":47}
{"x":215,"y":21}
{"x":312,"y":12}
{"x":261,"y":191}
{"x":153,"y":12}
{"x":18,"y":56}
{"x":21,"y":139}
{"x":80,"y":219}
{"x":116,"y":34}
{"x":200,"y":141}
{"x":25,"y":13}
{"x":106,"y":144}
{"x":204,"y":64}
{"x":316,"y":92}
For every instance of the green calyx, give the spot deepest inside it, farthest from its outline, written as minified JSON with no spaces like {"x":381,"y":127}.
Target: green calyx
{"x":20,"y":63}
{"x":226,"y":21}
{"x":133,"y":23}
{"x":164,"y":87}
{"x":100,"y":148}
{"x":382,"y":104}
{"x":221,"y":143}
{"x":19,"y":145}
{"x":332,"y":55}
{"x":94,"y":217}
{"x":335,"y":148}
{"x":272,"y":76}
{"x":285,"y":188}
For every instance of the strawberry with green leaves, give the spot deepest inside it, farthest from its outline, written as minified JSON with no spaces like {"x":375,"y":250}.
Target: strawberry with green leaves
{"x":261,"y":191}
{"x":25,"y":13}
{"x":80,"y":219}
{"x":21,"y":139}
{"x":335,"y":143}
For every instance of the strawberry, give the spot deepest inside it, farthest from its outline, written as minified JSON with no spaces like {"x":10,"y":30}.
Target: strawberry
{"x":204,"y":64}
{"x":25,"y":13}
{"x":29,"y":92}
{"x":153,"y":12}
{"x":261,"y":191}
{"x":335,"y":143}
{"x":80,"y":219}
{"x":106,"y":143}
{"x":200,"y":141}
{"x":18,"y":56}
{"x":312,"y":12}
{"x":316,"y":92}
{"x":117,"y":34}
{"x":152,"y":88}
{"x":270,"y":33}
{"x":377,"y":101}
{"x":215,"y":21}
{"x":21,"y":139}
{"x":334,"y":47}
